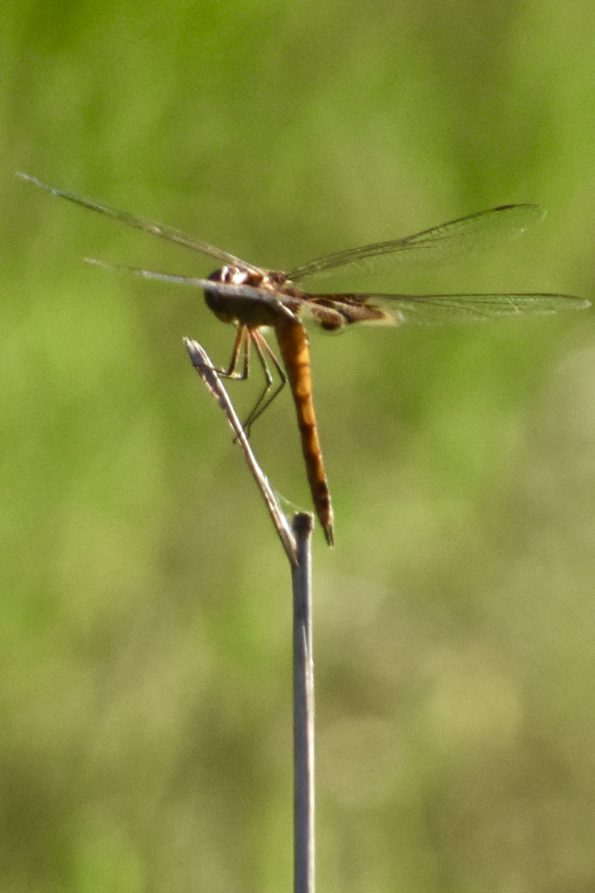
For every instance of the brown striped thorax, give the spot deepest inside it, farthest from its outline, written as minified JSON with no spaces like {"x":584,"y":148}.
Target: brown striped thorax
{"x":253,"y":298}
{"x":331,"y":312}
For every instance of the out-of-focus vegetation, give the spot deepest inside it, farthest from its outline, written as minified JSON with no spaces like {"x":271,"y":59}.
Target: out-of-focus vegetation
{"x":145,"y":735}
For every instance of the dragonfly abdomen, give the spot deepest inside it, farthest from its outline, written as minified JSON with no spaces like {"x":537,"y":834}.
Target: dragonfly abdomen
{"x":293,"y":344}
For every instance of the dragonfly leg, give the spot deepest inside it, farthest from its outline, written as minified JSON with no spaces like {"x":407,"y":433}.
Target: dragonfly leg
{"x":263,"y":350}
{"x":240,"y":349}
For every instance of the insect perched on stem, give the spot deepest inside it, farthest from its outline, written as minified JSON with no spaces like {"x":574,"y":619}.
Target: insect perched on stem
{"x":253,"y":298}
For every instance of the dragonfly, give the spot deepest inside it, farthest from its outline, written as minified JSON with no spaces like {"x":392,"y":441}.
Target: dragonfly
{"x":254,"y":299}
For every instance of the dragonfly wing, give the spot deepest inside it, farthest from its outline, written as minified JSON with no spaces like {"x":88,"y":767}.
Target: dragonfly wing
{"x":222,"y":288}
{"x":335,"y":312}
{"x":147,"y":226}
{"x":452,"y":309}
{"x":247,"y":293}
{"x":458,"y":238}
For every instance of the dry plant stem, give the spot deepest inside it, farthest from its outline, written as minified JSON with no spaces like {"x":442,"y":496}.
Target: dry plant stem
{"x":303,"y":709}
{"x":297,"y":545}
{"x":206,"y":370}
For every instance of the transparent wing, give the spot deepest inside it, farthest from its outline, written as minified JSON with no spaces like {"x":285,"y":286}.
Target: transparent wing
{"x":148,"y":226}
{"x":448,"y":309}
{"x":467,"y":235}
{"x":251,"y":294}
{"x":232,"y":291}
{"x":332,"y":311}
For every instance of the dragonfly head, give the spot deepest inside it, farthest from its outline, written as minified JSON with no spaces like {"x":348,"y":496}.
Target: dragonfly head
{"x":226,"y":308}
{"x":232,"y":275}
{"x":218,"y":303}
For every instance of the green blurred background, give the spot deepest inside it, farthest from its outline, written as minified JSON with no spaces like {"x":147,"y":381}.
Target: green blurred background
{"x":145,"y":741}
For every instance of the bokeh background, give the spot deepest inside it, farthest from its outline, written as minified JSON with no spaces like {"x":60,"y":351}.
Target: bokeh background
{"x":145,"y":739}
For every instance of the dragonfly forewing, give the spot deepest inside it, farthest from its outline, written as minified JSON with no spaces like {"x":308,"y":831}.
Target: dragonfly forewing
{"x":168,"y":233}
{"x":449,"y":241}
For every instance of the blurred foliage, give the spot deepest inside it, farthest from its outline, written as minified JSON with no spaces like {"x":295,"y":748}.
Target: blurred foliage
{"x":145,"y":741}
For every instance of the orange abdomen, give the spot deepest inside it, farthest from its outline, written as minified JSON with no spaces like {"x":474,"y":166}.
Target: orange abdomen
{"x":293,"y":344}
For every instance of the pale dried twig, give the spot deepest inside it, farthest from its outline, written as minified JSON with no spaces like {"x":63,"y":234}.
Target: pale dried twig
{"x":201,"y":362}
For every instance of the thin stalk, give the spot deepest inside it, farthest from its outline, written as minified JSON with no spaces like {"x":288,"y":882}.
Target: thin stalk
{"x":297,"y":542}
{"x":303,"y":710}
